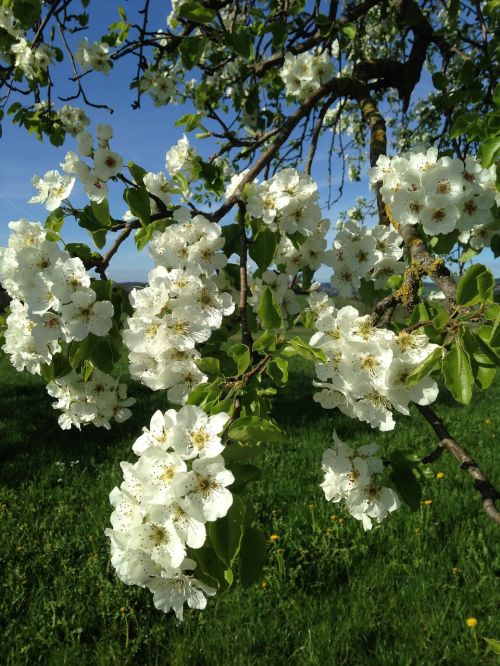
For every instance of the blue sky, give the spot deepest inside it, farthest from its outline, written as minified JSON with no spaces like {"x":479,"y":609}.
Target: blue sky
{"x":142,"y":136}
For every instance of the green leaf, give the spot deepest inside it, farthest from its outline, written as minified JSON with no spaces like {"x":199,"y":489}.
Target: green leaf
{"x":493,"y":644}
{"x":420,"y":313}
{"x":495,"y":333}
{"x":457,"y":373}
{"x":79,"y":250}
{"x":209,"y":365}
{"x":101,"y":212}
{"x":225,"y":533}
{"x":277,"y":369}
{"x":55,"y":220}
{"x":425,"y":367}
{"x":488,"y":151}
{"x":439,"y":80}
{"x":210,"y":569}
{"x":253,"y":556}
{"x":191,"y":49}
{"x":103,"y":289}
{"x":465,"y":123}
{"x":266,"y":342}
{"x":236,"y":452}
{"x":484,"y":370}
{"x":103,"y":352}
{"x":485,"y":284}
{"x":493,"y":313}
{"x":78,"y":352}
{"x":444,"y":243}
{"x":137,"y":172}
{"x":242,"y":357}
{"x":368,"y":293}
{"x":495,"y":245}
{"x":279,"y":31}
{"x":196,"y":12}
{"x":86,"y":370}
{"x":269,"y":311}
{"x":394,"y":282}
{"x":467,"y":73}
{"x":485,"y":348}
{"x":138,"y":201}
{"x":349,"y":30}
{"x":263,"y":248}
{"x":441,"y":318}
{"x":231,"y":234}
{"x":407,"y":487}
{"x":297,"y":346}
{"x":243,"y":475}
{"x":190,"y":120}
{"x":27,"y":12}
{"x":205,"y":393}
{"x":47,"y":372}
{"x":253,"y":429}
{"x":87,"y":220}
{"x":467,"y":288}
{"x":241,"y":42}
{"x":466,"y":256}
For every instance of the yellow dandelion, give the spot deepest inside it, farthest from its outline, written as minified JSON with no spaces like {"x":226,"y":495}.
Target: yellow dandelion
{"x":263,"y":584}
{"x":471,"y":622}
{"x":427,"y":502}
{"x":333,"y":517}
{"x":439,"y":475}
{"x":341,"y":520}
{"x":312,"y":506}
{"x":123,"y":610}
{"x":487,"y":421}
{"x":454,"y":570}
{"x":274,"y":537}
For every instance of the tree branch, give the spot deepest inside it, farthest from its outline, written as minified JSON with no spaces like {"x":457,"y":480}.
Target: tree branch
{"x":489,"y":494}
{"x":336,"y":87}
{"x":316,"y":133}
{"x":246,"y":335}
{"x":434,"y":267}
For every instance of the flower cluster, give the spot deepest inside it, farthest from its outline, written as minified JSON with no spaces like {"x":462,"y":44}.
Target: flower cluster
{"x":93,"y":56}
{"x":349,"y":478}
{"x":52,"y":189}
{"x":303,"y":74}
{"x":366,"y":369}
{"x":359,"y":252}
{"x":308,"y":252}
{"x":180,"y":158}
{"x":179,"y":307}
{"x":96,"y":400}
{"x":75,"y":120}
{"x":27,"y":59}
{"x":284,"y":296}
{"x":178,"y":485}
{"x":106,"y":163}
{"x":287,"y":202}
{"x":162,"y":85}
{"x":441,"y":194}
{"x":52,"y":298}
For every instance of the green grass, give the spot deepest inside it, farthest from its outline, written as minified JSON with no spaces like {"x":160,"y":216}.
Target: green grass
{"x":331,"y":594}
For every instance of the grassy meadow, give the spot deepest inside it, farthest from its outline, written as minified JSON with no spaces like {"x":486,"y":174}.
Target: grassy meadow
{"x":330,"y":594}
